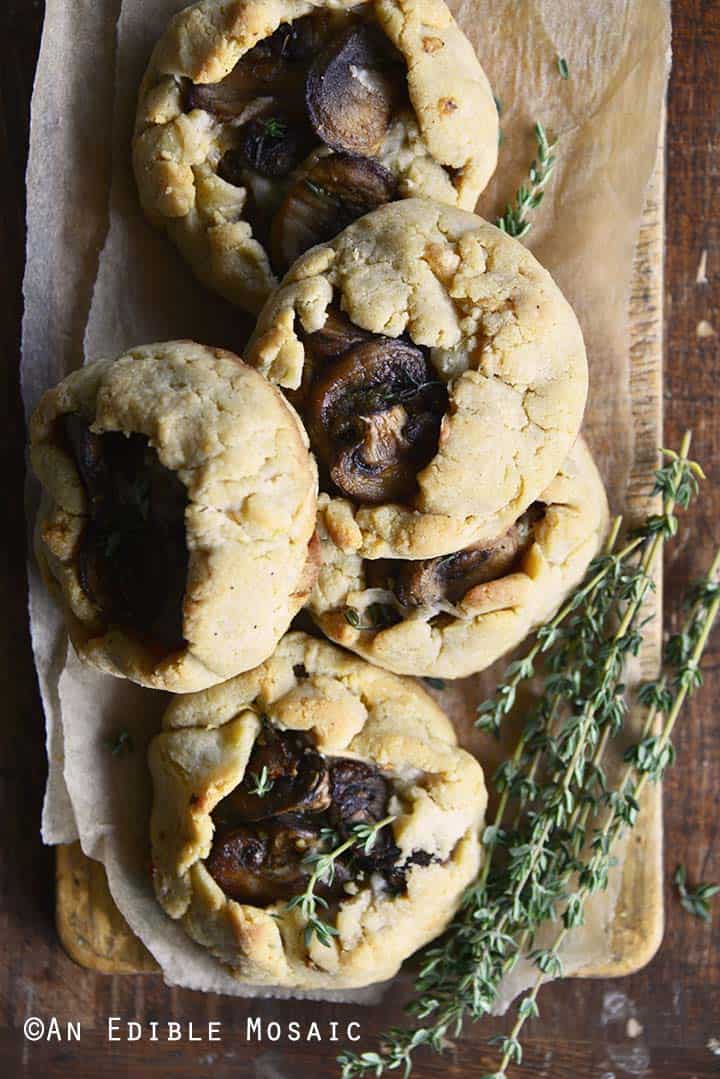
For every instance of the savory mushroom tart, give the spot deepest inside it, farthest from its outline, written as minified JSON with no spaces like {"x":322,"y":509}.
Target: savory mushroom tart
{"x":258,"y":779}
{"x":178,"y":513}
{"x":439,"y":371}
{"x":454,"y":615}
{"x":263,"y":129}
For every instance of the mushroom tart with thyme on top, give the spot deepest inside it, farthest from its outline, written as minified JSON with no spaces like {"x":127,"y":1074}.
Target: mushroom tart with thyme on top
{"x":454,"y":615}
{"x":177,"y":489}
{"x":263,"y":129}
{"x":439,"y":371}
{"x":314,"y":821}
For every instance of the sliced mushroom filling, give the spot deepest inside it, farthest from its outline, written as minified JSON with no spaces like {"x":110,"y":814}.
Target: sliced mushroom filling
{"x":432,"y":582}
{"x":335,"y":191}
{"x":132,"y":557}
{"x":328,"y":81}
{"x":292,"y":801}
{"x":373,"y":406}
{"x":352,"y":87}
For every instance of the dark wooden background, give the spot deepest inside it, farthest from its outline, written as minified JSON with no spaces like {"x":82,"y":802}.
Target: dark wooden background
{"x":584,"y":1026}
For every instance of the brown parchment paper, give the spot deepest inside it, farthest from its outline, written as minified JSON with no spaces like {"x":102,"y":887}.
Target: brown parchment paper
{"x":99,"y":280}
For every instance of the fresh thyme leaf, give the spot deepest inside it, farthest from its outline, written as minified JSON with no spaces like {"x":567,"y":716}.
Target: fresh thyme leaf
{"x":515,"y":221}
{"x":377,"y":616}
{"x":435,"y":683}
{"x":120,"y":743}
{"x":275,"y":128}
{"x":322,"y":867}
{"x":550,"y":844}
{"x":316,"y":189}
{"x":261,"y":784}
{"x":562,"y":67}
{"x":695,"y":900}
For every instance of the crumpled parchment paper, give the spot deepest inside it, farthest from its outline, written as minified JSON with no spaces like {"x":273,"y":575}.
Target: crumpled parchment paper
{"x":99,"y":279}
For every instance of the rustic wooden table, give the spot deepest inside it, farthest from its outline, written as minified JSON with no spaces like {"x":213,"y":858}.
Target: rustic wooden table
{"x":674,"y":1004}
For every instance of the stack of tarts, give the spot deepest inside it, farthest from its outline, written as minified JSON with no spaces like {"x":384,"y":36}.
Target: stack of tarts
{"x":399,"y":454}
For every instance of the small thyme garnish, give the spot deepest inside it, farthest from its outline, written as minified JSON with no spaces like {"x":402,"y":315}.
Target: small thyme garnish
{"x":435,"y":683}
{"x":120,"y":743}
{"x":322,"y":864}
{"x":261,"y":784}
{"x":275,"y":128}
{"x":515,"y":221}
{"x":562,"y":67}
{"x":549,"y":845}
{"x":695,"y":900}
{"x":378,"y":615}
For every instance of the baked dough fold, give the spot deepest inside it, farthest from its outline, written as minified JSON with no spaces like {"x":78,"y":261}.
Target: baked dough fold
{"x":350,"y":710}
{"x":232,"y":455}
{"x":456,"y":637}
{"x":441,"y":144}
{"x":498,"y":336}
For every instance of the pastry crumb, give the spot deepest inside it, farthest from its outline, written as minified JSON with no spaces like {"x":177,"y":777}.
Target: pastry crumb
{"x":704,"y":329}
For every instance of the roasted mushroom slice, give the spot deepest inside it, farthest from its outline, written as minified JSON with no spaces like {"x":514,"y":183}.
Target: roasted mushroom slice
{"x":351,"y":90}
{"x":271,"y":145}
{"x":336,"y":336}
{"x":275,"y":68}
{"x":86,"y":448}
{"x":133,"y":556}
{"x":261,"y":864}
{"x":359,"y":792}
{"x":374,"y":419}
{"x":428,"y":582}
{"x":338,"y":189}
{"x":300,"y":40}
{"x":297,"y":777}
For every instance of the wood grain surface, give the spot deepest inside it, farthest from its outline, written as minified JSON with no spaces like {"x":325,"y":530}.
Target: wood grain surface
{"x":584,"y":1029}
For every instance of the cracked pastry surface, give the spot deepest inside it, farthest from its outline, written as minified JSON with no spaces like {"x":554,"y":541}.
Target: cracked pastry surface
{"x":341,"y":742}
{"x":432,"y":357}
{"x":263,"y":128}
{"x":453,"y":616}
{"x":178,"y":511}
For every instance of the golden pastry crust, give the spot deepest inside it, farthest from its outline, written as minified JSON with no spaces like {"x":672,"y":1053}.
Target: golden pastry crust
{"x":493,"y":617}
{"x":354,"y":710}
{"x":445,"y":149}
{"x":499,"y":333}
{"x":241,"y":454}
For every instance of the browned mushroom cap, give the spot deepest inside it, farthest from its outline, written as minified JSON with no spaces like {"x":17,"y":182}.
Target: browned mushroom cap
{"x":271,"y":144}
{"x":132,"y":557}
{"x":298,"y":775}
{"x":374,"y":419}
{"x":336,"y":336}
{"x":259,"y":865}
{"x":351,"y":89}
{"x":86,"y":448}
{"x":337,"y":190}
{"x":359,"y":792}
{"x":275,"y":67}
{"x":428,"y":581}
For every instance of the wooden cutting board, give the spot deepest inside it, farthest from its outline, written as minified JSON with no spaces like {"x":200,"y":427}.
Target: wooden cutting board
{"x":95,"y":934}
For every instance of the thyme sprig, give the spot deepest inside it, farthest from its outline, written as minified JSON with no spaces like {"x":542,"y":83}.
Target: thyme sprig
{"x":322,"y":865}
{"x":516,"y":219}
{"x":643,"y":764}
{"x":695,"y":900}
{"x":549,"y":845}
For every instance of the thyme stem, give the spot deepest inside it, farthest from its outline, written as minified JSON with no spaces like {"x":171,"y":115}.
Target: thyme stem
{"x":581,"y":708}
